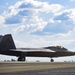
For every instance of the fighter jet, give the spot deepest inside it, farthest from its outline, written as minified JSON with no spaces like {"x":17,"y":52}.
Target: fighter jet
{"x":7,"y":47}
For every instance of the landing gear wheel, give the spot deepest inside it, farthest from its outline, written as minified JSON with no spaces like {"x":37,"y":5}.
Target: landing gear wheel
{"x":21,"y":59}
{"x":52,"y":60}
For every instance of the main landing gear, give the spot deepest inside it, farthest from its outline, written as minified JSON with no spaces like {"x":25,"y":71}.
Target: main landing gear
{"x":21,"y":58}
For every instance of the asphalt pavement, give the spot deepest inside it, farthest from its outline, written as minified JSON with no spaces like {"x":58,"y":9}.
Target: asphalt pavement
{"x":59,"y":71}
{"x":25,"y":68}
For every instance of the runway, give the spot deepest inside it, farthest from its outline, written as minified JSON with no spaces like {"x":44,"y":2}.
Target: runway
{"x":37,"y":68}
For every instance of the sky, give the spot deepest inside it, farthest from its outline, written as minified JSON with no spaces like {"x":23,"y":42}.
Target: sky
{"x":39,"y":23}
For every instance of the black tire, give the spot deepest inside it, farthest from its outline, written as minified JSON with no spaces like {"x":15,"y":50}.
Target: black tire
{"x":52,"y":60}
{"x":21,"y":59}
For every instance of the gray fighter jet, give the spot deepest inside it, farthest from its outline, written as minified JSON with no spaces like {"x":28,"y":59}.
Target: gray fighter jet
{"x":7,"y":47}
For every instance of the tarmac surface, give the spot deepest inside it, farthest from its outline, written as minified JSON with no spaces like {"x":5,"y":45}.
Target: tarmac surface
{"x":37,"y":68}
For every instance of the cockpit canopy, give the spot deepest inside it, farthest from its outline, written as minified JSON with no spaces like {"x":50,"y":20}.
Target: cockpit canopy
{"x":56,"y":48}
{"x":59,"y":47}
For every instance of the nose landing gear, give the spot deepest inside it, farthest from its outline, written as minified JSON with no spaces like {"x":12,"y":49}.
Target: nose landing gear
{"x":51,"y":60}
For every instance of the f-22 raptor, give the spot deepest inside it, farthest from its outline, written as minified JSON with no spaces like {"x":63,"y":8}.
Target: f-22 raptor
{"x":7,"y":47}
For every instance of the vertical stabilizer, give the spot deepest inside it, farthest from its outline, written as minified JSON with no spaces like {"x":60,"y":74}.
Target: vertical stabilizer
{"x":1,"y":37}
{"x":7,"y":42}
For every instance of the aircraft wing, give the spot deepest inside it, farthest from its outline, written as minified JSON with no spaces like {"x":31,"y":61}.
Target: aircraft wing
{"x":32,"y":52}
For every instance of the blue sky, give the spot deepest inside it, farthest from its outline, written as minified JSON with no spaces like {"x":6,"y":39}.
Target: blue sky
{"x":39,"y":23}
